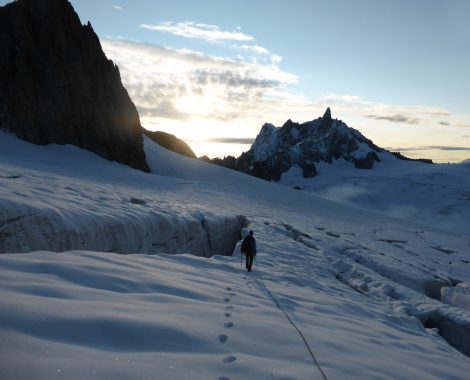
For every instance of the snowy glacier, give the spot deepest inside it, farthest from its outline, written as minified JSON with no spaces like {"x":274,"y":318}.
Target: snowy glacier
{"x":91,"y":286}
{"x":437,"y":195}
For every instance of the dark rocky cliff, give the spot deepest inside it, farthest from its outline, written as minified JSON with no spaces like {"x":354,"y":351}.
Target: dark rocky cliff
{"x":57,"y":86}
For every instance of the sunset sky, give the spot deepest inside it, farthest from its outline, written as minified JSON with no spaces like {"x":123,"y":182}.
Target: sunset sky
{"x":212,"y":72}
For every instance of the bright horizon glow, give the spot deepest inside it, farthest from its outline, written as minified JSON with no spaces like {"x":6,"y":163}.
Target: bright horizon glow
{"x":206,"y":70}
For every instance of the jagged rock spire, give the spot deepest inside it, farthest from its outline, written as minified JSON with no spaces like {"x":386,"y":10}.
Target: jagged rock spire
{"x":326,"y":121}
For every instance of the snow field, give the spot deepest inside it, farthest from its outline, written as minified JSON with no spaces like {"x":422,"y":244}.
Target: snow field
{"x":434,"y":195}
{"x":166,"y":316}
{"x":341,"y":336}
{"x":78,"y":314}
{"x":355,"y":283}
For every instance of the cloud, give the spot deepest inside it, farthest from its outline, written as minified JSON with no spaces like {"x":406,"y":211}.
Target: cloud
{"x":462,"y":148}
{"x":190,"y":29}
{"x":233,"y":140}
{"x":410,"y":115}
{"x":179,"y":84}
{"x":401,"y":114}
{"x":164,"y":109}
{"x":397,"y":118}
{"x":430,"y":147}
{"x":259,"y":52}
{"x":120,"y":38}
{"x":254,"y":49}
{"x":117,"y":7}
{"x":233,"y":79}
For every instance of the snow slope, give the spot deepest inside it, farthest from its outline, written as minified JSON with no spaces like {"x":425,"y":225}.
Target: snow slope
{"x":358,"y":286}
{"x":49,"y":205}
{"x":435,"y":195}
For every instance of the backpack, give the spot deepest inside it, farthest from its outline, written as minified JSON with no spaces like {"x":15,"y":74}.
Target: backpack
{"x":244,"y":247}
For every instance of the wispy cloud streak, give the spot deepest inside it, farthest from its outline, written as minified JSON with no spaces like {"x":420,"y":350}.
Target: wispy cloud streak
{"x":191,"y":29}
{"x":233,"y":140}
{"x":396,"y":118}
{"x":430,"y":147}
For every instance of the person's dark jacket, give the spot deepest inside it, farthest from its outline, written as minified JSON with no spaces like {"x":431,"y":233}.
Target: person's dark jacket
{"x":249,"y":246}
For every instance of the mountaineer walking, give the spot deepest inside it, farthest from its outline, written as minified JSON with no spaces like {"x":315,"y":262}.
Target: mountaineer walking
{"x":249,"y":249}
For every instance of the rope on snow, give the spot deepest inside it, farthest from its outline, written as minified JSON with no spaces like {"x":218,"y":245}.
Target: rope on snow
{"x":294,"y":325}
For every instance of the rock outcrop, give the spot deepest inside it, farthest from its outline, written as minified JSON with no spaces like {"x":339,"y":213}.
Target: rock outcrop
{"x":404,"y":158}
{"x":170,"y":142}
{"x":57,"y":86}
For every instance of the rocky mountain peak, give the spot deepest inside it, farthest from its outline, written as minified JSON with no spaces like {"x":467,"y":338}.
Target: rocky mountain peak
{"x":276,"y":150}
{"x":267,"y":128}
{"x":57,"y":86}
{"x":289,"y":124}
